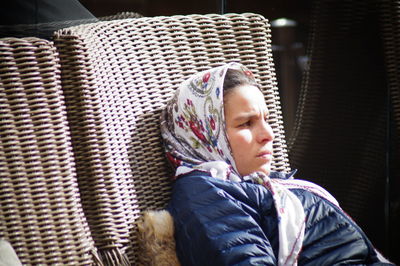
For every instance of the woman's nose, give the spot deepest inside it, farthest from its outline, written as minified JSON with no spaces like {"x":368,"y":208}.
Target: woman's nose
{"x":266,"y":133}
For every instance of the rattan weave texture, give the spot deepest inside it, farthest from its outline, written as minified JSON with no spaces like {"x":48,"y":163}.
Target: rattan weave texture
{"x":40,"y":209}
{"x":117,"y":76}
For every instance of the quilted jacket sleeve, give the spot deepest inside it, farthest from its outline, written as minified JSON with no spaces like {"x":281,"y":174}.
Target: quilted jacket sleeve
{"x":217,"y":223}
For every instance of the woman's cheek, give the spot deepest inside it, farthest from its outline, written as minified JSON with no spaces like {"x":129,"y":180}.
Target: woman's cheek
{"x":245,"y":137}
{"x":240,"y":140}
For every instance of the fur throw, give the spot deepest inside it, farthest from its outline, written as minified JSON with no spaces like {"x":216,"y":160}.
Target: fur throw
{"x":156,"y":239}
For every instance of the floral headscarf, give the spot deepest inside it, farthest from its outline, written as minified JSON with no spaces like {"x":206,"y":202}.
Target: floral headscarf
{"x":193,"y":127}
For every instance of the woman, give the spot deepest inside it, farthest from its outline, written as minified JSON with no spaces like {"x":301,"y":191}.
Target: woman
{"x":227,"y":205}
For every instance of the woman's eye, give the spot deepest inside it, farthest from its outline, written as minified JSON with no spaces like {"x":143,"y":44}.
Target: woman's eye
{"x":245,"y":124}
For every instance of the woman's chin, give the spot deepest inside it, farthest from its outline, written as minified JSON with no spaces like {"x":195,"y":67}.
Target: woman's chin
{"x":266,"y":169}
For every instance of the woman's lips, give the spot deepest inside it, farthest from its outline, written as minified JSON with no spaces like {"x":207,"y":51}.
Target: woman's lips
{"x":265,"y":154}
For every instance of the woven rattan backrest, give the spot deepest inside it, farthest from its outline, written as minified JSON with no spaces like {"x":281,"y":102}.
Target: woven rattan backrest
{"x":40,"y":209}
{"x":117,"y":77}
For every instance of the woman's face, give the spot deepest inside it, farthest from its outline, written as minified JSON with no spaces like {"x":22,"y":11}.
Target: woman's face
{"x":249,"y":134}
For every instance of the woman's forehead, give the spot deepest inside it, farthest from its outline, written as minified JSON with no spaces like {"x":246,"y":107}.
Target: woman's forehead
{"x":245,"y":97}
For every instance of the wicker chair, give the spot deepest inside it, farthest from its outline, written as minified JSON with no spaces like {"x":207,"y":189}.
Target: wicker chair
{"x":117,"y":76}
{"x":40,"y":210}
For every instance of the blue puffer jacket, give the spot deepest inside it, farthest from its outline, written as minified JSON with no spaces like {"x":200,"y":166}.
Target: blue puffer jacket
{"x":229,"y":223}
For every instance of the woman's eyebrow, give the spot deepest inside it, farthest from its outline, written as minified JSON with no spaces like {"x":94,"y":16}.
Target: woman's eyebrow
{"x":246,"y":116}
{"x":251,"y":114}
